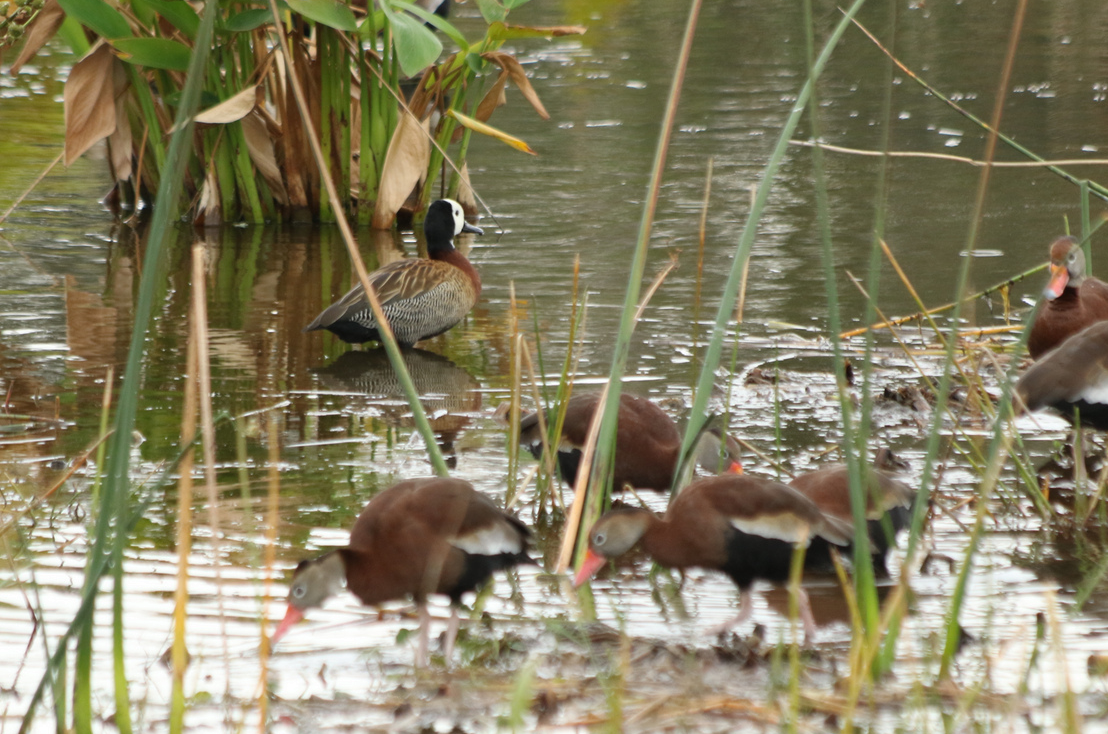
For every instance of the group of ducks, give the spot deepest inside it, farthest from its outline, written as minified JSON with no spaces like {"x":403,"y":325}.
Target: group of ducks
{"x":441,"y":536}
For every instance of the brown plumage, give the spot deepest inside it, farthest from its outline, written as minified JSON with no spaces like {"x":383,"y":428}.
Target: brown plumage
{"x":420,"y":298}
{"x":1072,"y":379}
{"x":744,"y":526}
{"x":888,"y":505}
{"x":647,"y":442}
{"x":1072,"y":300}
{"x":419,"y":537}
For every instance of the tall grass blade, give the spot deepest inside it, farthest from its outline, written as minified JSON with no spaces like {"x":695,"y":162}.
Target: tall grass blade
{"x":853,"y":442}
{"x":419,"y":416}
{"x":698,"y":415}
{"x":115,"y":500}
{"x":601,"y":469}
{"x":178,"y":651}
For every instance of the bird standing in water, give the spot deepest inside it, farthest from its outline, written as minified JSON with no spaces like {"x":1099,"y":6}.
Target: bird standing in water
{"x":421,"y":298}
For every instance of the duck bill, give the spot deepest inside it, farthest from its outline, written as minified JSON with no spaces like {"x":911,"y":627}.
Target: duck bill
{"x":734,"y":467}
{"x":292,"y":616}
{"x":1059,"y":277}
{"x":467,"y":227}
{"x":589,"y":566}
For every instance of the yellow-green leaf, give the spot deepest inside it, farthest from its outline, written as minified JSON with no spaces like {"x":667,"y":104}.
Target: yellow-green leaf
{"x":480,"y":127}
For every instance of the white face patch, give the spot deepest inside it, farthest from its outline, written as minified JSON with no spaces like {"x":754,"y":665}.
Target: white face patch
{"x":459,"y":216}
{"x":490,"y":540}
{"x":786,"y":527}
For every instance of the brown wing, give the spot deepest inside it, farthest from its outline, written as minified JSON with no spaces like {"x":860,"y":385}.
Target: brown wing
{"x":1076,"y":370}
{"x":452,"y":510}
{"x":396,"y":281}
{"x":762,"y":507}
{"x":1094,"y":298}
{"x":829,"y":488}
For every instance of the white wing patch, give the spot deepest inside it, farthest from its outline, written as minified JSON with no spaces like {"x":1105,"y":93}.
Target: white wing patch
{"x":1096,"y":393}
{"x":490,"y":540}
{"x":786,"y":527}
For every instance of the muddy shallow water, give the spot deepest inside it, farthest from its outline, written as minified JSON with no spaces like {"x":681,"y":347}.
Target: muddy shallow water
{"x":66,"y":294}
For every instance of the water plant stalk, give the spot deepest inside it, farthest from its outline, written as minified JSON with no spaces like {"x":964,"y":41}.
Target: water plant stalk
{"x":600,"y":483}
{"x":387,"y":339}
{"x":115,"y":499}
{"x":698,"y":414}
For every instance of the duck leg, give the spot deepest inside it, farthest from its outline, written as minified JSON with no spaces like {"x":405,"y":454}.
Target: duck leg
{"x":422,"y":658}
{"x":451,"y":635}
{"x":746,"y":608}
{"x":804,"y":606}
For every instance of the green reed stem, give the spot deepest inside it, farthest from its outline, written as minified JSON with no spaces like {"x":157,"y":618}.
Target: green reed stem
{"x":953,"y":629}
{"x":853,"y":443}
{"x":117,"y":505}
{"x":698,"y":414}
{"x":419,"y":415}
{"x":599,"y":487}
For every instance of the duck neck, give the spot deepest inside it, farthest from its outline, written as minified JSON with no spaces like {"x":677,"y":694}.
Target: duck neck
{"x":458,"y":260}
{"x":661,"y":541}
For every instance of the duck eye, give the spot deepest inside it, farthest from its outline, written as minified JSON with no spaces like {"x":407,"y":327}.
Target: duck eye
{"x":599,"y":539}
{"x":299,"y":591}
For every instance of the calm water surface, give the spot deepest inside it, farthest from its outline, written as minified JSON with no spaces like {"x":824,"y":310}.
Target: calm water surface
{"x":68,"y":275}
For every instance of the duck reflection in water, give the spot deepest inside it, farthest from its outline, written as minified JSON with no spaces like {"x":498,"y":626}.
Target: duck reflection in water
{"x":450,"y":396}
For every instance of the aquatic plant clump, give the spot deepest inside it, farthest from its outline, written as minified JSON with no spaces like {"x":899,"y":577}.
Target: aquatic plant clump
{"x":389,"y":115}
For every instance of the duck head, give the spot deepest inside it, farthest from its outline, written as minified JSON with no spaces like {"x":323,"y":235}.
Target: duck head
{"x":312,"y":583}
{"x":446,"y":220}
{"x":1067,"y":266}
{"x":612,"y":535}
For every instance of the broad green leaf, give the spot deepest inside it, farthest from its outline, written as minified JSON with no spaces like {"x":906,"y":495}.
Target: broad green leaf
{"x":441,"y":23}
{"x":416,"y":46}
{"x":492,"y":11}
{"x":97,"y":15}
{"x":479,"y":127}
{"x":513,"y":4}
{"x":180,"y":14}
{"x":500,"y":31}
{"x":330,"y":13}
{"x":248,"y":20}
{"x":476,"y":64}
{"x":154,"y":53}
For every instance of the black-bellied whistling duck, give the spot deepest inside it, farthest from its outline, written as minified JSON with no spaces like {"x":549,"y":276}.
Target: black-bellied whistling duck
{"x":1072,"y":299}
{"x":420,"y":298}
{"x":419,"y":537}
{"x":744,"y":526}
{"x":888,"y":503}
{"x":1072,"y":378}
{"x":647,"y":442}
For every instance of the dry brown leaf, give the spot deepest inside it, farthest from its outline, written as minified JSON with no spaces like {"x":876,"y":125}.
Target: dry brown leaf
{"x":229,"y":110}
{"x":405,"y":164}
{"x":90,"y":101}
{"x":493,"y":99}
{"x":510,"y":64}
{"x":465,"y":191}
{"x":260,"y":147}
{"x":209,"y":212}
{"x":41,"y":30}
{"x":121,"y":146}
